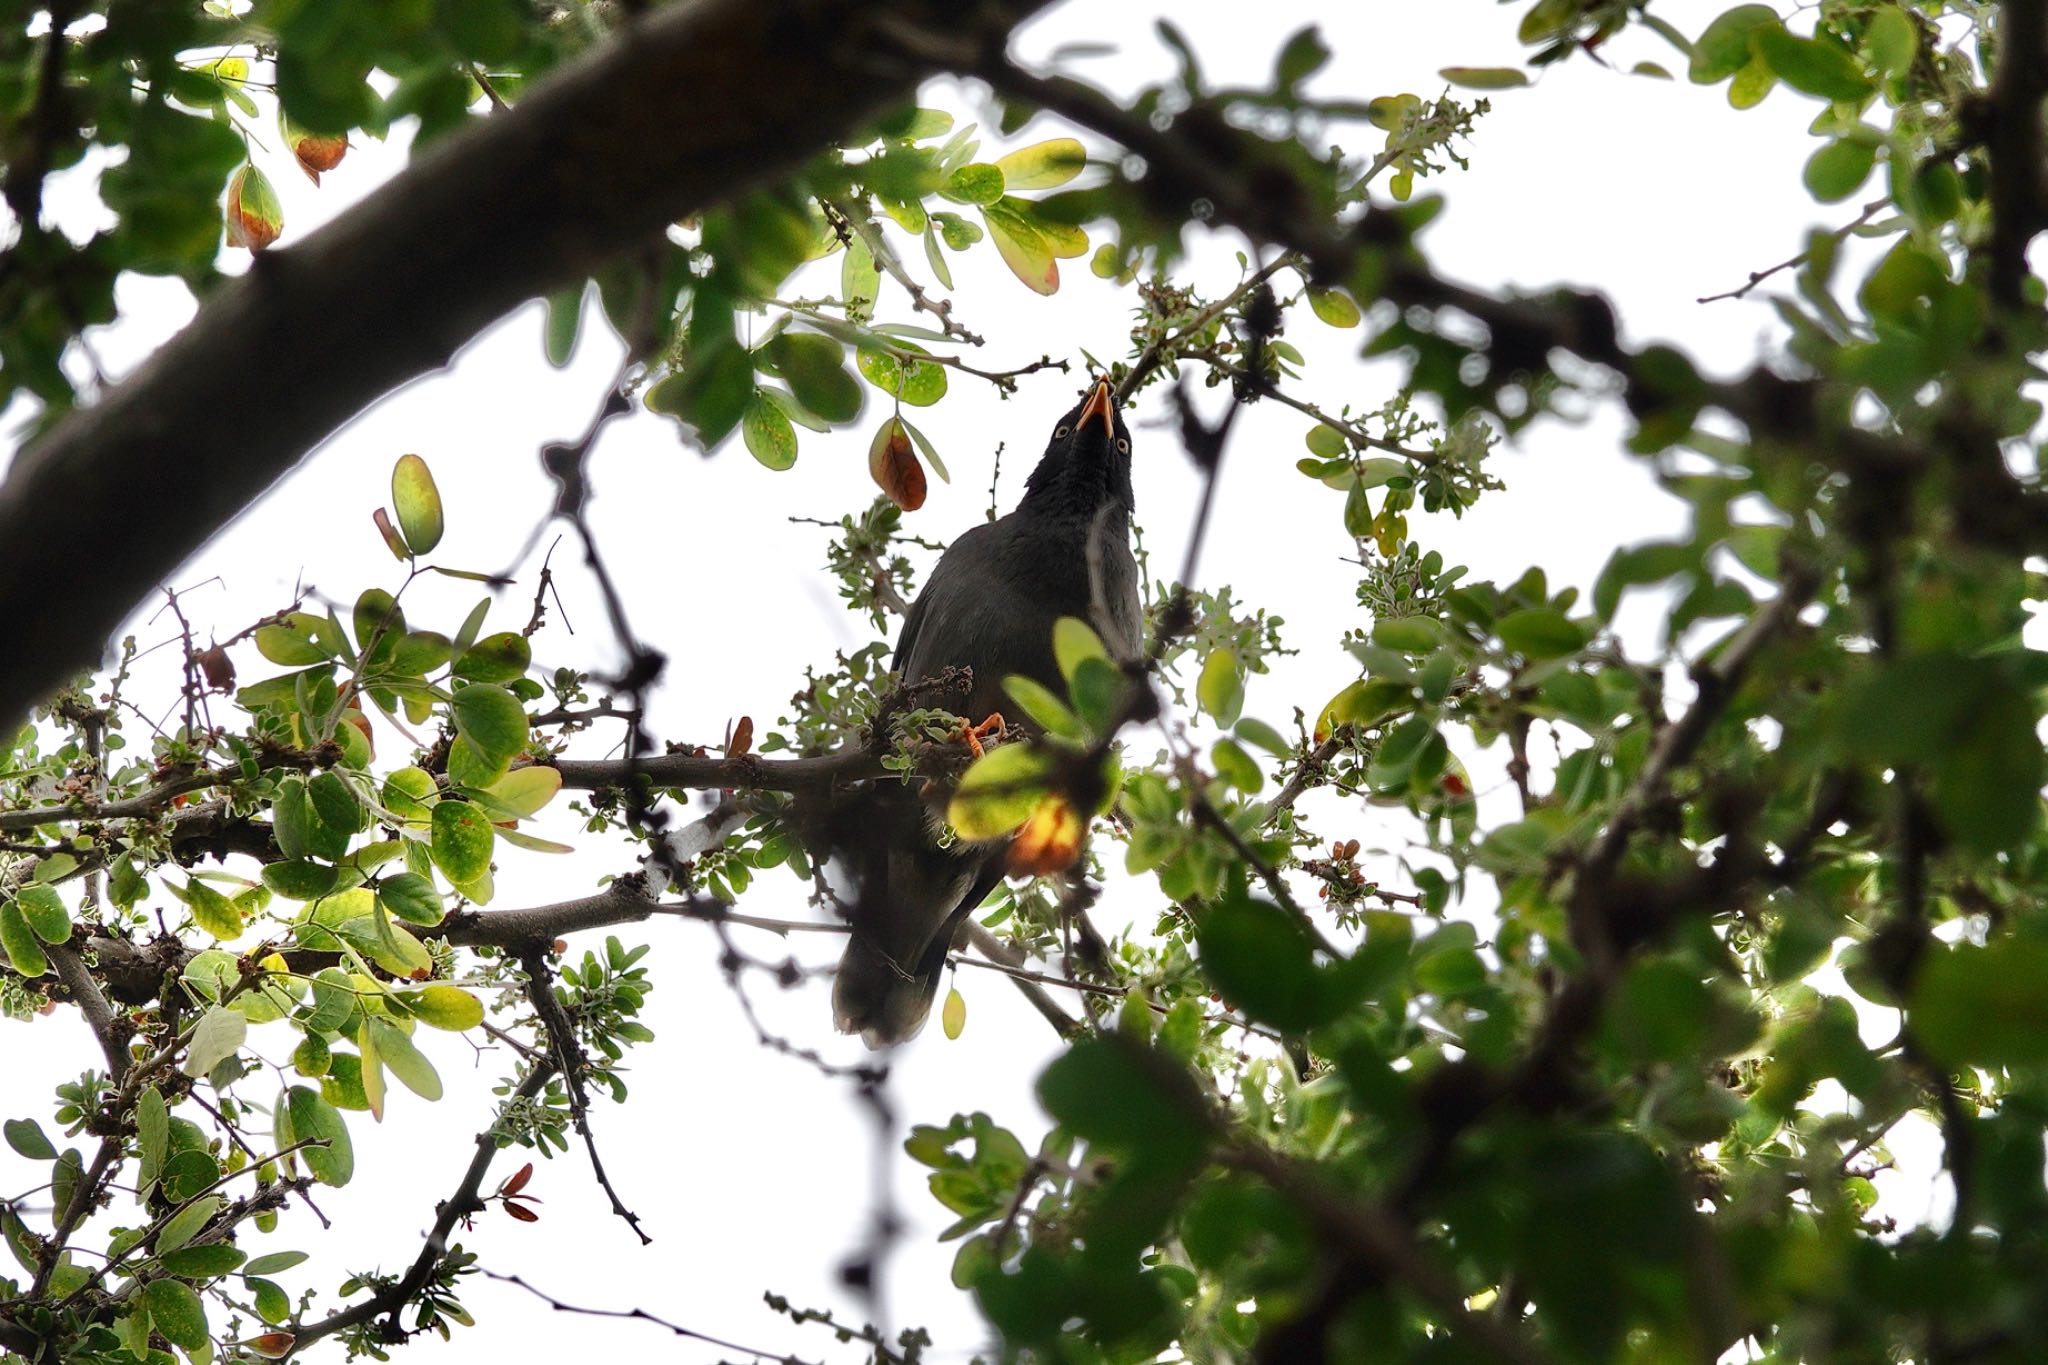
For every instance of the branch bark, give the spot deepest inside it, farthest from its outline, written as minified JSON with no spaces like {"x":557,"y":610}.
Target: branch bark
{"x":592,"y":163}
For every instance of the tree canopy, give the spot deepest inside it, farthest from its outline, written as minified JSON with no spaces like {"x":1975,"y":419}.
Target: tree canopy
{"x":1602,"y":1071}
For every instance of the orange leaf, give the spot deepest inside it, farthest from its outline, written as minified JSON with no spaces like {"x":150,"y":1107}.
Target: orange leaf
{"x":894,"y":466}
{"x":741,"y":739}
{"x":271,"y":1345}
{"x":1049,"y":841}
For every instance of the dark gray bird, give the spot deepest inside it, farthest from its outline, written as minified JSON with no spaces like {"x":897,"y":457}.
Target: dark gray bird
{"x":989,"y":606}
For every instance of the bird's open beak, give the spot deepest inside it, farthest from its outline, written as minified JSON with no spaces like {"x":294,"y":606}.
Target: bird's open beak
{"x":1101,"y":403}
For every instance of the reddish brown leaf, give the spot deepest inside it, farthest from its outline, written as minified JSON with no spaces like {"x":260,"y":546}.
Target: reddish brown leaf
{"x":271,"y":1345}
{"x":516,"y":1181}
{"x":741,"y":739}
{"x":316,"y":154}
{"x":521,"y":1212}
{"x":392,"y":540}
{"x":894,"y":467}
{"x":217,"y":666}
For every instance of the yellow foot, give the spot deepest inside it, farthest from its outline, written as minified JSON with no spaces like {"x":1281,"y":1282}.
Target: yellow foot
{"x":975,"y":734}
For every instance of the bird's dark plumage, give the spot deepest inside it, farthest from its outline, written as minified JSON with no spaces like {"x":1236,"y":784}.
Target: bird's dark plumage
{"x":989,"y":606}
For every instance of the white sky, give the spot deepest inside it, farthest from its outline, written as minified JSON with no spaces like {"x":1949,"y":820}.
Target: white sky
{"x":751,"y":1172}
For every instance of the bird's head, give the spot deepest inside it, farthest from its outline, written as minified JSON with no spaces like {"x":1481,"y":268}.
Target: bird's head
{"x":1087,"y":463}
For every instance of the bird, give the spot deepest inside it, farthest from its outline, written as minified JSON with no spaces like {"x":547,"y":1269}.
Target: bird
{"x":989,"y":606}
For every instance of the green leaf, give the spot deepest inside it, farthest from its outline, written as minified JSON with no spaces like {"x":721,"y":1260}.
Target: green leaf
{"x":999,"y":792}
{"x":1409,"y":634}
{"x":44,"y":910}
{"x":411,"y":897}
{"x":203,"y":1262}
{"x":1074,"y":640}
{"x":1540,"y":633}
{"x":152,"y":1131}
{"x":814,"y":366}
{"x":310,"y":1117}
{"x":1262,"y":960}
{"x":462,"y":840}
{"x":1237,"y":767}
{"x":1484,"y":77}
{"x":418,"y":504}
{"x":710,"y":393}
{"x":1221,"y":688}
{"x":218,"y":1036}
{"x":186,"y":1223}
{"x":292,"y":641}
{"x":1120,"y":1095}
{"x":492,"y":719}
{"x":973,"y":184}
{"x":1045,"y":709}
{"x":26,"y":1137}
{"x":1723,"y":49}
{"x":768,"y":433}
{"x":564,"y":321}
{"x":176,"y":1312}
{"x":1043,"y":165}
{"x":919,"y":383}
{"x":405,"y":1061}
{"x":1987,"y":1006}
{"x":1812,"y":65}
{"x":301,"y":879}
{"x":274,"y":1262}
{"x":1839,"y":169}
{"x":1254,"y":731}
{"x":500,"y":658}
{"x":1891,"y":42}
{"x":1335,"y":307}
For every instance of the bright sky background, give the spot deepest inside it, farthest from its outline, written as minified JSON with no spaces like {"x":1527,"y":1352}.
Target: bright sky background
{"x":751,"y":1172}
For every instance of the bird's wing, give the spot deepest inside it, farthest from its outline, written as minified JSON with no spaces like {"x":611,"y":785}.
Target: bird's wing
{"x":948,"y":582}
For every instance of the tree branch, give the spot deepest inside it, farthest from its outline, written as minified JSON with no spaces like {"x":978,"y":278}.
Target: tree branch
{"x":587,"y":166}
{"x":459,"y":1205}
{"x":2012,"y":134}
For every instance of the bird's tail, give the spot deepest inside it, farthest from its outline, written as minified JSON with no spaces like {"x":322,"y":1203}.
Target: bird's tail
{"x":884,"y":1001}
{"x":907,"y":897}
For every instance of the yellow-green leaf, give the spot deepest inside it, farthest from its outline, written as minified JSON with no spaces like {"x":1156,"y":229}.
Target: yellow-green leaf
{"x":1024,"y":249}
{"x":770,"y":437}
{"x":1484,"y":77}
{"x":445,"y":1007}
{"x":1221,"y":689}
{"x":1074,"y":640}
{"x":1043,"y":165}
{"x":953,"y":1017}
{"x":999,"y":792}
{"x":418,"y":503}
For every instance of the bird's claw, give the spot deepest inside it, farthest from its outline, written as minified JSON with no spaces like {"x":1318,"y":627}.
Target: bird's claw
{"x":973,"y":735}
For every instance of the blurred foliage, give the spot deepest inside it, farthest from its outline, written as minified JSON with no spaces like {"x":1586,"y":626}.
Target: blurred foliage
{"x":1601,"y":1062}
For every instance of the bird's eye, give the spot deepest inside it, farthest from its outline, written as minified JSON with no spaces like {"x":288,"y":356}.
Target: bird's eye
{"x":1123,"y":447}
{"x":1060,"y":432}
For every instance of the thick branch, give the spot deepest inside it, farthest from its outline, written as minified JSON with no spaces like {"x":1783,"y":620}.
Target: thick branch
{"x":747,"y":772}
{"x":2012,"y":134}
{"x":668,"y":118}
